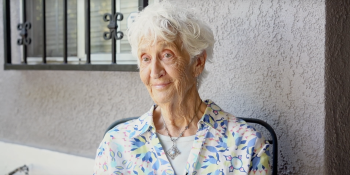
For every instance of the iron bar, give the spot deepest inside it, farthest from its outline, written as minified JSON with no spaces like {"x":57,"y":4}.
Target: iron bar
{"x":113,"y":32}
{"x":142,"y":4}
{"x":87,"y":32}
{"x":7,"y":31}
{"x":114,"y":56}
{"x":65,"y":51}
{"x":44,"y":30}
{"x":24,"y":19}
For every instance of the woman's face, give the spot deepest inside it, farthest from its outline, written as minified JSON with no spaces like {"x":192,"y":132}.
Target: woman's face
{"x":166,"y":71}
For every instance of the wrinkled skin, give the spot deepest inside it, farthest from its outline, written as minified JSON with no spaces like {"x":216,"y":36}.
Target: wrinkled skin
{"x":171,"y":81}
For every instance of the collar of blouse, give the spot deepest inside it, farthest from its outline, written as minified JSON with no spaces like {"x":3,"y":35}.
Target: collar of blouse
{"x":210,"y":119}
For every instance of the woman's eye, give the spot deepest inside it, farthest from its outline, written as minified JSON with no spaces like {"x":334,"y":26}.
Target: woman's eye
{"x":168,"y":55}
{"x":145,"y":59}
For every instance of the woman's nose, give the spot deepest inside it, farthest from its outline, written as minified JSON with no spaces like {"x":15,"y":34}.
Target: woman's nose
{"x":157,"y":70}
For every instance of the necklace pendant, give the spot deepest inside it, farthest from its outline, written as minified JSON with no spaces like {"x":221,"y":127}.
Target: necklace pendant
{"x":173,"y":152}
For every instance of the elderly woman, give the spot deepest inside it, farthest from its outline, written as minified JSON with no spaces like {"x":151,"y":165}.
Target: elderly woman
{"x":180,"y":134}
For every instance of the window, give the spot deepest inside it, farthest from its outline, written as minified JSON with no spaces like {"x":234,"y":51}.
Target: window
{"x":61,"y":35}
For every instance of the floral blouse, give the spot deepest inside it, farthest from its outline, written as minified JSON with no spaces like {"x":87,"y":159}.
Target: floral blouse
{"x":223,"y":145}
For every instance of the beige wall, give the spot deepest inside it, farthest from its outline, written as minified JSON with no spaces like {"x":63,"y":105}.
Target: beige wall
{"x":268,"y":64}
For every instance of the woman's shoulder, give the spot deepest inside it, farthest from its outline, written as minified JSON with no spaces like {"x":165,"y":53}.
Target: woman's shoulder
{"x":226,"y":122}
{"x":123,"y":126}
{"x":241,"y":127}
{"x":130,"y":128}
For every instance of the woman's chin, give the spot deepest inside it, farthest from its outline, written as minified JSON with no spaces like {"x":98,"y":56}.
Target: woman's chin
{"x":160,"y":98}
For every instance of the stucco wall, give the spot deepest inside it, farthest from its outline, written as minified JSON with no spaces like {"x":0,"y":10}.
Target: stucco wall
{"x":268,"y":64}
{"x":337,"y":76}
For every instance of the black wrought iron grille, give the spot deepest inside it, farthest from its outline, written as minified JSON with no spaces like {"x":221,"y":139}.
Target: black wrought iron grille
{"x":24,"y":40}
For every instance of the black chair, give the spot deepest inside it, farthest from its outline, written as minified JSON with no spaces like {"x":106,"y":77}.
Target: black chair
{"x":274,"y":141}
{"x":248,"y":120}
{"x":119,"y":122}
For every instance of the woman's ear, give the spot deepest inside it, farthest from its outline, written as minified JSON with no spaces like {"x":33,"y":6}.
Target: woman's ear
{"x":199,"y":63}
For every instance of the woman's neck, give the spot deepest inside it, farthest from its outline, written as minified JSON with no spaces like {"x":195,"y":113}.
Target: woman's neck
{"x":178,"y":114}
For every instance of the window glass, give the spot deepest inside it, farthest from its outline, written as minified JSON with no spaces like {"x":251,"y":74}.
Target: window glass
{"x":100,"y":48}
{"x":54,"y":28}
{"x":98,"y":8}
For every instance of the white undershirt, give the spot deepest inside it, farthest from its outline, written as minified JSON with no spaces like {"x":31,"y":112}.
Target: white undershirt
{"x":184,"y":144}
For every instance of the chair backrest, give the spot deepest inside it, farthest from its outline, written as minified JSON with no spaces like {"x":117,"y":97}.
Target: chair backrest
{"x":274,"y":141}
{"x":123,"y":120}
{"x":248,"y":120}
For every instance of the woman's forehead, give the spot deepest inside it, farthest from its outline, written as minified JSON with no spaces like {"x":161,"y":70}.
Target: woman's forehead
{"x":146,"y":44}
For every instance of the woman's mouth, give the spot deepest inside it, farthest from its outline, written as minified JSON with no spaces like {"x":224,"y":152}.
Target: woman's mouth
{"x":160,"y":85}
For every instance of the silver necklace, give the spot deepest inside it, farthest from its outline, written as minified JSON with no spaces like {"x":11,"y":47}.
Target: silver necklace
{"x":174,"y":151}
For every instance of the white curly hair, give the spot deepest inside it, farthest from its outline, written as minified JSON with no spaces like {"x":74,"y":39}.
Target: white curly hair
{"x":168,"y":22}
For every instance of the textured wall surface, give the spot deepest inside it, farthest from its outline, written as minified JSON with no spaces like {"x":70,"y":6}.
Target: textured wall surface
{"x":337,"y":74}
{"x":268,"y":64}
